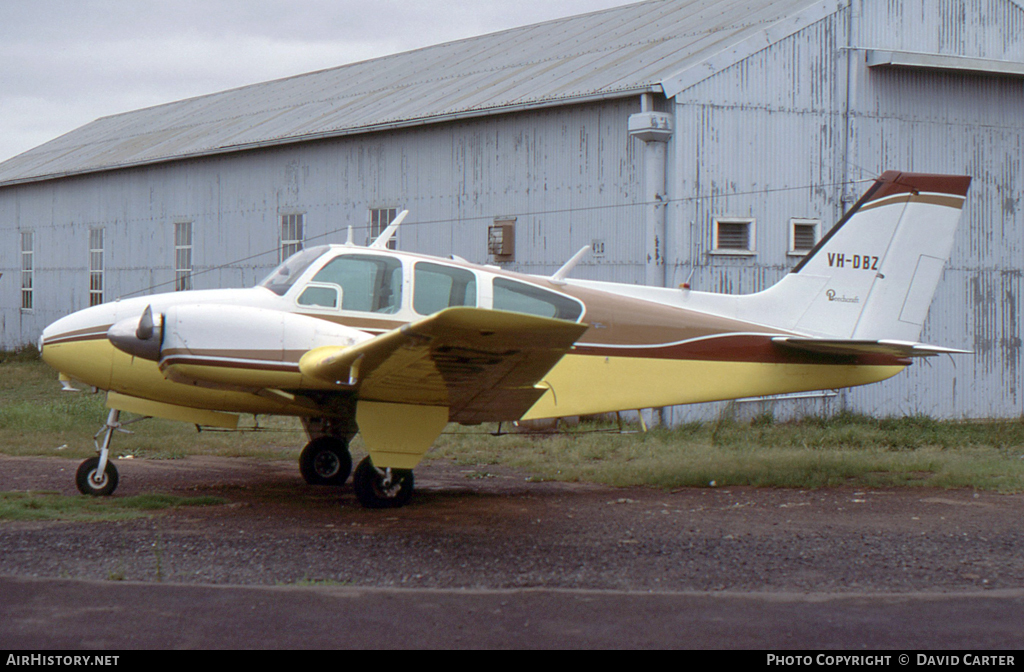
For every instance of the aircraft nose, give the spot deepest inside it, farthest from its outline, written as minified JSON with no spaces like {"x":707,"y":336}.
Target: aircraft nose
{"x":77,"y":346}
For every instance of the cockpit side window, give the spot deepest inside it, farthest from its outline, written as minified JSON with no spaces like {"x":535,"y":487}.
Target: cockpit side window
{"x":284,"y":276}
{"x":519,"y":297}
{"x":369,"y":284}
{"x":436,"y":287}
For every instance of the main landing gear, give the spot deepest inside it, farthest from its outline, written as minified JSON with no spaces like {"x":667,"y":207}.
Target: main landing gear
{"x":382,"y":488}
{"x":326,"y":461}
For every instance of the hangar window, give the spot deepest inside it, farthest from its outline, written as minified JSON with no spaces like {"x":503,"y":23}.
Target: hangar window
{"x":519,"y":297}
{"x":292,"y":234}
{"x":803,"y":235}
{"x":95,"y":267}
{"x":379,"y":220}
{"x":182,"y":256}
{"x":733,"y":236}
{"x":28,"y":270}
{"x":436,"y":287}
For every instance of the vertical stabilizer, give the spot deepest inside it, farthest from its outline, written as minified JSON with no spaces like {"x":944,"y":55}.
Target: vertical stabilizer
{"x":874,"y":274}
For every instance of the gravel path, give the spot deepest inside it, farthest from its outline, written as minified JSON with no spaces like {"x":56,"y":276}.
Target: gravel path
{"x":487,"y":528}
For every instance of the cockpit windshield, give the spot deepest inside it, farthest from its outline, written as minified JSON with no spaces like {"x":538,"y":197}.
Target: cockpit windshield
{"x":285,"y":275}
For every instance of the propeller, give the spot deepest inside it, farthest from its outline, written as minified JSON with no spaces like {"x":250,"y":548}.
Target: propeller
{"x":140,"y":337}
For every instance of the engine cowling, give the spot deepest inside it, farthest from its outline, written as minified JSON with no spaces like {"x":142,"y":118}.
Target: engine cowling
{"x":230,"y":347}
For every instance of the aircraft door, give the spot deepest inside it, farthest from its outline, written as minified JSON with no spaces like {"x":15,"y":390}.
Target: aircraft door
{"x":357,"y":282}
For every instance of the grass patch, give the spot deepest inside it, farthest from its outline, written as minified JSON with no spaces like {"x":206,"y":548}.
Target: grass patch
{"x":816,"y":452}
{"x":54,"y":506}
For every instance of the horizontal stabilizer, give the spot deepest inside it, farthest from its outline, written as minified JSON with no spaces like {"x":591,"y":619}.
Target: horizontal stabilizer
{"x":861,"y":347}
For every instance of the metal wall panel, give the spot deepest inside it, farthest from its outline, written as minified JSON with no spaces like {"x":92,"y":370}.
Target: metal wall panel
{"x":785,"y":108}
{"x":567,"y":176}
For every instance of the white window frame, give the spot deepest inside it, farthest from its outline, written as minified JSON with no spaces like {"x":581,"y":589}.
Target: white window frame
{"x":183,"y":247}
{"x":28,"y":271}
{"x":749,"y":250}
{"x":377,"y":220}
{"x":293,"y":234}
{"x":800,"y":221}
{"x":97,"y":281}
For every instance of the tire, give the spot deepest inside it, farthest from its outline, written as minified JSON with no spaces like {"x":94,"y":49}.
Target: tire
{"x":325,"y":461}
{"x":372,"y":491}
{"x":88,"y":483}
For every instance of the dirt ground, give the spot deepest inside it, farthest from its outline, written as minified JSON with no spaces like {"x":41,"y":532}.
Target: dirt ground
{"x":486,"y":528}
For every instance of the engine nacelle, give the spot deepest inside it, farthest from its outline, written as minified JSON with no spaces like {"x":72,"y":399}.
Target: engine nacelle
{"x":231,"y":347}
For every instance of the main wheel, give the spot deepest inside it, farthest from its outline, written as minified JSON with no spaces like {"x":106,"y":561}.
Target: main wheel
{"x":382,"y":488}
{"x":325,"y":461}
{"x":91,"y":482}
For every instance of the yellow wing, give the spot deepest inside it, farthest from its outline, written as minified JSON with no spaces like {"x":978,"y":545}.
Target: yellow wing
{"x":484,"y":365}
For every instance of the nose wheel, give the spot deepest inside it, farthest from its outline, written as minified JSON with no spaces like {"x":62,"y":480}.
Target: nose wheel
{"x":382,"y":488}
{"x":91,"y":480}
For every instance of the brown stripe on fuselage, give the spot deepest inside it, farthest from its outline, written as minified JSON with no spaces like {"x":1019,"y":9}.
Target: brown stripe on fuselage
{"x":757,"y":348}
{"x":627,"y":321}
{"x":90,"y":334}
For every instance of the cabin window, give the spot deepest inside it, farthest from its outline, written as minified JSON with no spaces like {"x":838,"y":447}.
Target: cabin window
{"x":436,"y":287}
{"x":519,"y":297}
{"x":733,"y":236}
{"x":369,"y":284}
{"x":95,"y":267}
{"x":379,"y":220}
{"x":292,"y":234}
{"x":28,"y":270}
{"x":182,"y":256}
{"x":323,"y":296}
{"x":803,"y":235}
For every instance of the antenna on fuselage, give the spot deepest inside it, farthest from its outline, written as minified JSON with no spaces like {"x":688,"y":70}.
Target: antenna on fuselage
{"x":559,"y":277}
{"x":385,"y":236}
{"x":350,"y":241}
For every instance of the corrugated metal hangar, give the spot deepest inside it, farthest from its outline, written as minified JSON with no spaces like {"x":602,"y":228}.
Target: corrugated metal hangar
{"x":700,"y":141}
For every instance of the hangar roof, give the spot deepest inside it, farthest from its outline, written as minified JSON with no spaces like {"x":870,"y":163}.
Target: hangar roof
{"x":653,"y":46}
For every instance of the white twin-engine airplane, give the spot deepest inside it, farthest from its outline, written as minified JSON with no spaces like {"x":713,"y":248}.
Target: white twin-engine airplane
{"x":397,"y":345}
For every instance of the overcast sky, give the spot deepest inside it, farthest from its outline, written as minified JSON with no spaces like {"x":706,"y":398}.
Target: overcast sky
{"x":64,"y":63}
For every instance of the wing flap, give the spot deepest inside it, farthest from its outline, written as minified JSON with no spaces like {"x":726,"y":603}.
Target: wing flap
{"x":866,"y":347}
{"x":482,"y":364}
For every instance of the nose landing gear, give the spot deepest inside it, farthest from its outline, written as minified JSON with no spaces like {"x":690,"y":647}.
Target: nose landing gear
{"x":91,"y":480}
{"x":97,"y":476}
